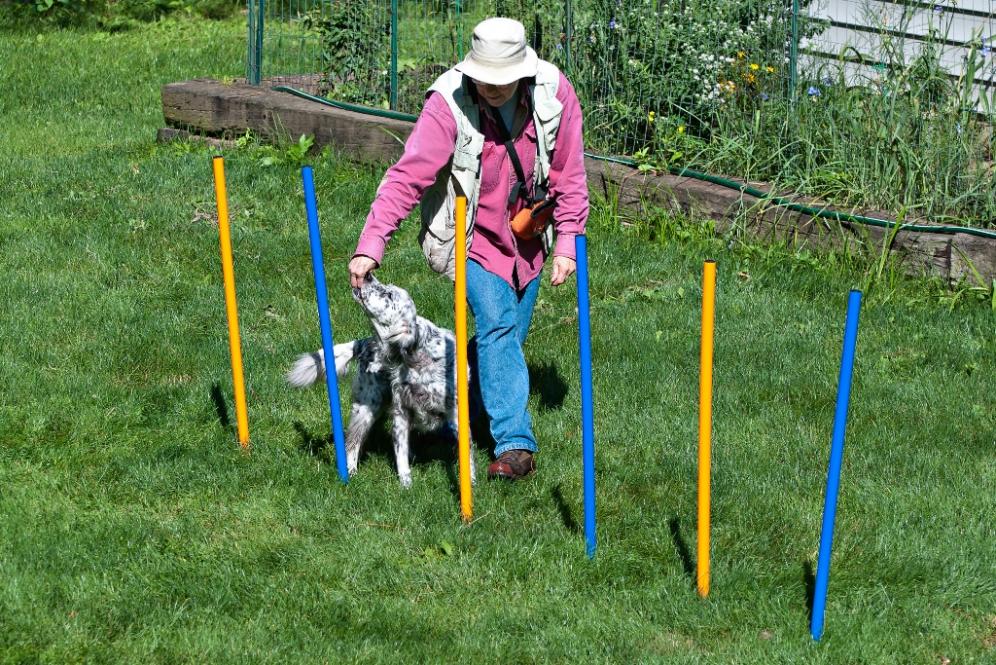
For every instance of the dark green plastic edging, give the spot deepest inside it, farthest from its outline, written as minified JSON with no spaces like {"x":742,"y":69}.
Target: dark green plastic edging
{"x":356,"y":108}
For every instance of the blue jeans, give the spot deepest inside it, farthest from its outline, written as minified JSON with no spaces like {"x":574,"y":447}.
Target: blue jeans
{"x":502,"y":317}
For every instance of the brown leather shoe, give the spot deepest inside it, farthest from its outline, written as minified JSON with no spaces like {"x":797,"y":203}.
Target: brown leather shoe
{"x":512,"y":465}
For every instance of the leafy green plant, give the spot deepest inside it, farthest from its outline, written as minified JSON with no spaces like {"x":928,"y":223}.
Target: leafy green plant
{"x":120,"y":14}
{"x":414,"y":78}
{"x":874,"y":274}
{"x":284,"y":152}
{"x":293,"y":154}
{"x":355,"y":50}
{"x":672,"y":59}
{"x":68,"y":11}
{"x":645,"y":162}
{"x":903,"y":137}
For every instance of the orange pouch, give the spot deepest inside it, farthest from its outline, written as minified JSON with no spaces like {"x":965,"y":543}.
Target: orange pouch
{"x":531,"y":222}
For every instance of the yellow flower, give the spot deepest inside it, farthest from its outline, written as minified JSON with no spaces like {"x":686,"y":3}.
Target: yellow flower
{"x":651,"y":117}
{"x":750,"y":78}
{"x":681,"y":129}
{"x":741,"y":55}
{"x":754,"y":66}
{"x":769,"y":69}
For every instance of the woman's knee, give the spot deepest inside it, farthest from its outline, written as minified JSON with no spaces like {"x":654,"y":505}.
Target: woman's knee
{"x":489,"y":335}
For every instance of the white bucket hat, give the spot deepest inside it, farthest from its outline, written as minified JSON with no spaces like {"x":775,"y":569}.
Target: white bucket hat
{"x":498,"y":53}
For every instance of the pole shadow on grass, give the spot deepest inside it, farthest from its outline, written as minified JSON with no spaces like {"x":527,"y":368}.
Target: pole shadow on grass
{"x":809,"y":580}
{"x":313,"y":444}
{"x":438,"y":446}
{"x":565,"y":511}
{"x":321,"y":445}
{"x":220,"y":407}
{"x":447,"y":450}
{"x":426,"y":448}
{"x":679,"y":544}
{"x":545,"y":381}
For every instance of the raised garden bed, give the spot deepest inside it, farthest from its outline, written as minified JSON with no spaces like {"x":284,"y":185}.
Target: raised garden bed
{"x":210,"y":108}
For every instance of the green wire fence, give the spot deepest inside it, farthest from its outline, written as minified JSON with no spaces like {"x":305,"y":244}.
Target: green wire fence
{"x":775,"y":90}
{"x":634,"y":64}
{"x":380,"y":53}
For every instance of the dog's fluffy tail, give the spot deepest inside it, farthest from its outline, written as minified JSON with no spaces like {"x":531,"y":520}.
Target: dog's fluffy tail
{"x":310,"y":367}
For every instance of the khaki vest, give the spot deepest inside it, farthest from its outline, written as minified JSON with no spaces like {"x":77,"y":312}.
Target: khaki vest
{"x":462,"y":174}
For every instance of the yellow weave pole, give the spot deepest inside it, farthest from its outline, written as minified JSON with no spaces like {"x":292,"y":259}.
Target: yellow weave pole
{"x":463,"y":393}
{"x":231,"y":305}
{"x":705,"y":422}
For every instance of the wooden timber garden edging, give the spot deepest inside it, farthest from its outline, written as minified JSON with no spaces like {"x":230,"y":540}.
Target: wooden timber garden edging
{"x":214,"y":109}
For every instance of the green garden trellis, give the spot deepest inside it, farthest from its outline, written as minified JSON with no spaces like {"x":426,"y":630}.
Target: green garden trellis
{"x":622,"y":57}
{"x":658,"y":81}
{"x":381,"y":53}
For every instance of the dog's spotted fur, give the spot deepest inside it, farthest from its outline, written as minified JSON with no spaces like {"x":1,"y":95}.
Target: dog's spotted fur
{"x":408,"y":365}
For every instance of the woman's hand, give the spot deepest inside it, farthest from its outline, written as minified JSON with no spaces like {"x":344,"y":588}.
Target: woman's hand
{"x":563,"y":268}
{"x":358,"y":269}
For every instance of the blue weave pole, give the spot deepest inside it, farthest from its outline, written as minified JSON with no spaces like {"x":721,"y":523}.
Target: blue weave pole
{"x":321,"y":292}
{"x":587,"y":409}
{"x":836,"y":457}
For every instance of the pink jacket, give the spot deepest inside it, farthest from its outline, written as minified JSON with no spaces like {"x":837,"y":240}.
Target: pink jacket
{"x":428,"y":149}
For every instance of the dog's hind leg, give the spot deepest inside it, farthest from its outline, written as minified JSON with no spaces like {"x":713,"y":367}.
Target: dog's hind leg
{"x":400,"y":431}
{"x":361,"y":420}
{"x":453,"y":431}
{"x":473,"y":468}
{"x":370,"y":392}
{"x":368,"y":400}
{"x":450,"y":432}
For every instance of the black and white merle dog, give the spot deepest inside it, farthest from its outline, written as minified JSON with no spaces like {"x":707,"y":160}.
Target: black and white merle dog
{"x":408,"y":365}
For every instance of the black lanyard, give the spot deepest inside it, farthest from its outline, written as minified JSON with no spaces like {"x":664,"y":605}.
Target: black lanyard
{"x":519,"y":189}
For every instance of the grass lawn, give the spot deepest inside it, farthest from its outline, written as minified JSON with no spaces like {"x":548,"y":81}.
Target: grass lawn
{"x":133,"y":529}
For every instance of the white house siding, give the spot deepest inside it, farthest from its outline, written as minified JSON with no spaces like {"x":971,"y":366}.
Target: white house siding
{"x":880,"y":31}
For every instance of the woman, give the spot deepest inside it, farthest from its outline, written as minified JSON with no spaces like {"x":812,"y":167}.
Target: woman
{"x":502,"y":128}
